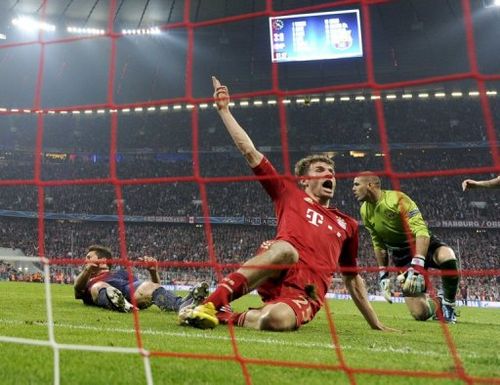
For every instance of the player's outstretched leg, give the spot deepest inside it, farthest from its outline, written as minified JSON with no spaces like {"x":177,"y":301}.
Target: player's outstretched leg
{"x":117,"y":300}
{"x":195,"y":296}
{"x":203,"y":316}
{"x":448,"y":262}
{"x":449,"y":313}
{"x":447,"y":310}
{"x":166,"y":300}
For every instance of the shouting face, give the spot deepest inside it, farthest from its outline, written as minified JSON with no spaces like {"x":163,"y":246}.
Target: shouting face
{"x":322,"y":187}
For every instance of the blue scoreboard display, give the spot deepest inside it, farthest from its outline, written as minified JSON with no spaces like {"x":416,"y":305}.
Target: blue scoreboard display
{"x":316,"y":36}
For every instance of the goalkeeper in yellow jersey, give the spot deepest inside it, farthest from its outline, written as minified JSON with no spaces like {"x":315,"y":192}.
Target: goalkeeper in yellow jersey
{"x":400,"y":234}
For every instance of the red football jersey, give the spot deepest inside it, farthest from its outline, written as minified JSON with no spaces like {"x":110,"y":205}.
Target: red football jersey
{"x":322,"y":236}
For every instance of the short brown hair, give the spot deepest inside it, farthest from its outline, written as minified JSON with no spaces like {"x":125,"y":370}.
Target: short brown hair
{"x":302,"y":166}
{"x":101,"y":251}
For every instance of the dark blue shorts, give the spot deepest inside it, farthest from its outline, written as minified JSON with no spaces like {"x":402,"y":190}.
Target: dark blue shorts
{"x":120,"y":280}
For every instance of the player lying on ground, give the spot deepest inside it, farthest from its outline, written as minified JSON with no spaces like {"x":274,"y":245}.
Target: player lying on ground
{"x":399,"y":233}
{"x":491,"y":183}
{"x":98,"y":285}
{"x":293,"y":272}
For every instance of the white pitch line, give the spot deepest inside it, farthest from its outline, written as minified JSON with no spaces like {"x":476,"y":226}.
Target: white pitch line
{"x":203,"y":336}
{"x":91,"y":348}
{"x":197,"y":335}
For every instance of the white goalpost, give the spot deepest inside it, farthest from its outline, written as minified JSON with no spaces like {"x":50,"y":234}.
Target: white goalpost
{"x":52,"y":342}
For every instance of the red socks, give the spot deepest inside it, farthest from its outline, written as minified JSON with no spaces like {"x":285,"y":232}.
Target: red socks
{"x":237,"y":319}
{"x":230,"y":288}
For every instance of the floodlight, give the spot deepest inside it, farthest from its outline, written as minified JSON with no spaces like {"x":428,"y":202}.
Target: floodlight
{"x":29,"y":24}
{"x":85,"y":31}
{"x":142,"y":31}
{"x":491,"y":3}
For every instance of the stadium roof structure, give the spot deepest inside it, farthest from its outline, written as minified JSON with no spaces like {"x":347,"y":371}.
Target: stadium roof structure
{"x":411,"y":39}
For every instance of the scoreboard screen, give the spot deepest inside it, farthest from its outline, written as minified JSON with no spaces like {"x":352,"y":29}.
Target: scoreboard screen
{"x":316,"y":36}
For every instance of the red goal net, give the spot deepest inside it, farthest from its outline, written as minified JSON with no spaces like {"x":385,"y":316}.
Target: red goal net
{"x":422,"y":113}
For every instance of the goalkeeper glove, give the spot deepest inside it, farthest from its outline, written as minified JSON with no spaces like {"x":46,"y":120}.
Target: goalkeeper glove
{"x":413,"y":280}
{"x":385,"y":285}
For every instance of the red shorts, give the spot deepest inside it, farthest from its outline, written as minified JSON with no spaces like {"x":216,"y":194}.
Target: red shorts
{"x":297,"y":287}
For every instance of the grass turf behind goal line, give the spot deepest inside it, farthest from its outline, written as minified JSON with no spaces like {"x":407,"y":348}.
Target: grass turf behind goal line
{"x":100,"y":346}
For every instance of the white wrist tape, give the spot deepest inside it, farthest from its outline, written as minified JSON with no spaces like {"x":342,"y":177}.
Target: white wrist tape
{"x":418,"y":260}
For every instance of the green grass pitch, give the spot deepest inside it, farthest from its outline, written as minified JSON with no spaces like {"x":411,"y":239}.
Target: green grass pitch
{"x":421,"y":346}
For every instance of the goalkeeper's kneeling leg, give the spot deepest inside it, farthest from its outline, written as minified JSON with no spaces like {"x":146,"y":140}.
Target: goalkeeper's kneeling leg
{"x":420,"y":307}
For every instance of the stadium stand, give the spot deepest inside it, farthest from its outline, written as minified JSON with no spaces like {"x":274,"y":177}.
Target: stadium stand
{"x":145,"y":153}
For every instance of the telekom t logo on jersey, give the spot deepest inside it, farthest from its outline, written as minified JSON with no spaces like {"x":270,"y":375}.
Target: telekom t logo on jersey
{"x":315,"y":218}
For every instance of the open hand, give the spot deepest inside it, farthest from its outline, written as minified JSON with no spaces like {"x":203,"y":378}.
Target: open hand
{"x":468,"y":184}
{"x":93,"y":266}
{"x":153,"y":263}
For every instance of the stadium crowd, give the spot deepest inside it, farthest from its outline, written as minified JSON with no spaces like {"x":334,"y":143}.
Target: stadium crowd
{"x":439,"y":197}
{"x":159,"y":145}
{"x":6,"y":271}
{"x":174,"y":245}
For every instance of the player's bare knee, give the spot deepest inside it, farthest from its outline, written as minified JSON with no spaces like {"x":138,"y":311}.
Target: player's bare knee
{"x":94,"y":290}
{"x":278,"y":318}
{"x":418,"y":307}
{"x":419,"y":315}
{"x":146,"y":289}
{"x":144,"y":293}
{"x":283,"y":253}
{"x":444,"y":254}
{"x":273,"y":323}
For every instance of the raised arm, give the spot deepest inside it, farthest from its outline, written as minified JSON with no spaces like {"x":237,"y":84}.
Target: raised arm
{"x":491,"y":183}
{"x":240,"y":137}
{"x":153,"y":268}
{"x":83,"y":278}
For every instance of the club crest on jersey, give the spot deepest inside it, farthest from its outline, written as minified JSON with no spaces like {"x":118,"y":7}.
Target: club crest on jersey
{"x":342,"y":223}
{"x":309,"y":200}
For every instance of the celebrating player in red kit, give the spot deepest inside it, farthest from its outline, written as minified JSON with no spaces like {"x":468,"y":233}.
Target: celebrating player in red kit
{"x":292,"y":272}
